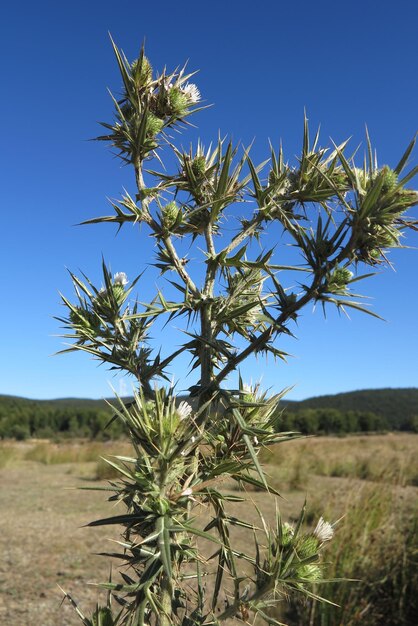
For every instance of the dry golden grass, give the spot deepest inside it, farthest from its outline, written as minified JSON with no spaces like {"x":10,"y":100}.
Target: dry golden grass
{"x":389,"y":458}
{"x":73,"y":452}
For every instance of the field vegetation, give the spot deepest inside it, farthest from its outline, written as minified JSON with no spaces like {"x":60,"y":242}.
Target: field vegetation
{"x":368,"y":483}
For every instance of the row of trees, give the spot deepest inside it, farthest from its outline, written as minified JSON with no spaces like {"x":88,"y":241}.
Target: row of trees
{"x":326,"y":421}
{"x":45,"y":420}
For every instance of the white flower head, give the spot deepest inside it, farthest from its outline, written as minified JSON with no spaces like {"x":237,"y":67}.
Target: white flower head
{"x":120,"y":279}
{"x":191,"y":92}
{"x":183,"y":410}
{"x":187,"y":492}
{"x":288,"y":533}
{"x":323,"y":530}
{"x":288,"y":528}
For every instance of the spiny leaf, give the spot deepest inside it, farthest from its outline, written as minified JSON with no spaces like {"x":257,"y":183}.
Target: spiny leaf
{"x":127,"y":519}
{"x":409,"y":176}
{"x":255,"y":460}
{"x":123,"y":68}
{"x":398,"y":169}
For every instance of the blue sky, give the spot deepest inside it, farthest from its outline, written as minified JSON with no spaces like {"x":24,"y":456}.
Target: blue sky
{"x":347,"y":63}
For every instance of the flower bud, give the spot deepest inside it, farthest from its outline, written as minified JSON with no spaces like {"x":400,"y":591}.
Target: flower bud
{"x":141,"y":72}
{"x":390,"y":179}
{"x":310,"y":572}
{"x":154,"y":125}
{"x":118,"y":293}
{"x":178,"y":102}
{"x":199,"y":166}
{"x":308,"y":547}
{"x":170,"y":214}
{"x":339,"y":279}
{"x":287,"y":534}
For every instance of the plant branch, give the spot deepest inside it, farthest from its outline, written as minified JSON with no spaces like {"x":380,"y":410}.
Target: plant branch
{"x":180,"y":267}
{"x":265,"y":336}
{"x":288,"y":313}
{"x":249,"y":230}
{"x":166,"y":238}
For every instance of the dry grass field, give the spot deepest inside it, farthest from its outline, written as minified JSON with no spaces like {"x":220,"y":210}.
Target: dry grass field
{"x":370,"y":480}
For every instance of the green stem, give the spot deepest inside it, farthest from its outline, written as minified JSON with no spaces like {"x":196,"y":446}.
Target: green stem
{"x":165,"y":587}
{"x":181,"y":271}
{"x":206,"y":316}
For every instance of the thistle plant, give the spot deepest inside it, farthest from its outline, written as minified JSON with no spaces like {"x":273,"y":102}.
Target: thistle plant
{"x":341,"y":219}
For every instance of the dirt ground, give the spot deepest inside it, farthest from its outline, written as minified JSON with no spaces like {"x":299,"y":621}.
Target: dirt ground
{"x":43,"y":543}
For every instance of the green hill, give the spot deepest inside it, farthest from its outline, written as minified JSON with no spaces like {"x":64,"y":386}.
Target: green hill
{"x":396,"y":406}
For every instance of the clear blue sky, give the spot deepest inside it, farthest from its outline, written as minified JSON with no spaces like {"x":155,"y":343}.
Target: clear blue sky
{"x":348,"y":63}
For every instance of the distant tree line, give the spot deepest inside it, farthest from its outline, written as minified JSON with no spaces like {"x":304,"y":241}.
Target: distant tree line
{"x":397,"y":406}
{"x":326,"y":421}
{"x":21,"y":418}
